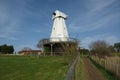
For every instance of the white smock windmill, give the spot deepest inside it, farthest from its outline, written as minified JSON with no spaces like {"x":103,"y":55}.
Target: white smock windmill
{"x":59,"y":30}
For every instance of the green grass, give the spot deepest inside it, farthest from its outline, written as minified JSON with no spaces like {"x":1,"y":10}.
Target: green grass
{"x":117,"y":54}
{"x":78,"y":69}
{"x":32,"y":68}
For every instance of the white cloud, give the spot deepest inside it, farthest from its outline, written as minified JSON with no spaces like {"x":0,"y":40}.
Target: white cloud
{"x":9,"y":23}
{"x":111,"y":39}
{"x":6,"y":36}
{"x":11,"y":18}
{"x":20,"y":47}
{"x":96,"y":17}
{"x":99,"y":15}
{"x":94,"y":25}
{"x":8,"y":28}
{"x":97,"y":5}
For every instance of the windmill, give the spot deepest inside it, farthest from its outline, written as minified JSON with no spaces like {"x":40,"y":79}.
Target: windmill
{"x":59,"y":35}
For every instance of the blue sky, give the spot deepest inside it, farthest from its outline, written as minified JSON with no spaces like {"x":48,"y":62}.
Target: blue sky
{"x":24,"y":22}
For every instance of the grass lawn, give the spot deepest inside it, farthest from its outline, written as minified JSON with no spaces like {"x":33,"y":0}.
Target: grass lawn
{"x":32,"y":68}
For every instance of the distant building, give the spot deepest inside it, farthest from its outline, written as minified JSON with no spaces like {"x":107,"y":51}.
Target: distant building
{"x":30,"y":52}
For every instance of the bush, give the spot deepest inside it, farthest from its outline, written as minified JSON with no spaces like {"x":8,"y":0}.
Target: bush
{"x":100,"y":48}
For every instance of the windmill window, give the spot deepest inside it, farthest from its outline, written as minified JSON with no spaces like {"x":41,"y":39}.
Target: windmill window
{"x":54,"y":14}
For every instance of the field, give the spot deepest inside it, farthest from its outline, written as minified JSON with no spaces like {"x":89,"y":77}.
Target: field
{"x":32,"y":68}
{"x":53,"y":68}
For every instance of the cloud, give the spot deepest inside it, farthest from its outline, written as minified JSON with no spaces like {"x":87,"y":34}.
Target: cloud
{"x":111,"y":39}
{"x":13,"y":15}
{"x":8,"y":28}
{"x":20,"y":47}
{"x":97,"y":5}
{"x":7,"y":37}
{"x":9,"y":22}
{"x":94,"y":25}
{"x":98,"y":15}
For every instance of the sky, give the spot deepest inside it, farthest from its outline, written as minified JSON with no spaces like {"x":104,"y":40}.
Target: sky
{"x":24,"y":22}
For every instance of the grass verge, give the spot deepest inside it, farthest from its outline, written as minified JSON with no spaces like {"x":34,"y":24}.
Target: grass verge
{"x":78,"y":69}
{"x":106,"y":73}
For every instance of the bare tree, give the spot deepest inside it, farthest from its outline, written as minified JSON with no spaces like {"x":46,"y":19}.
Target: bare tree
{"x":70,"y":51}
{"x":100,"y":48}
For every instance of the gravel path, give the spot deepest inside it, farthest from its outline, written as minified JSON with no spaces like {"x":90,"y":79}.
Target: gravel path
{"x":90,"y":72}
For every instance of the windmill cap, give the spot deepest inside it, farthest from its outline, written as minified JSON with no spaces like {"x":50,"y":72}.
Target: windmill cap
{"x":58,"y":14}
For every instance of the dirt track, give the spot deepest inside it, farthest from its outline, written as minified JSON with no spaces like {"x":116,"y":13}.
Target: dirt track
{"x":90,"y":72}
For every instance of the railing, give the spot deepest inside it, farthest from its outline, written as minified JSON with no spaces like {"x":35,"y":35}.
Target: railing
{"x":43,"y":41}
{"x":54,"y":40}
{"x":70,"y":74}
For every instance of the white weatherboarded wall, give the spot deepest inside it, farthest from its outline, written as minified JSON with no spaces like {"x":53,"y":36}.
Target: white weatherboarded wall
{"x":59,"y":30}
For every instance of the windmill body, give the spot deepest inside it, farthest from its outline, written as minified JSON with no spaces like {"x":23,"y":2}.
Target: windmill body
{"x":59,"y":30}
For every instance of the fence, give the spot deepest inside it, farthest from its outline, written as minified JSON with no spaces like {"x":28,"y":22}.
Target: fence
{"x":71,"y":72}
{"x":111,"y":64}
